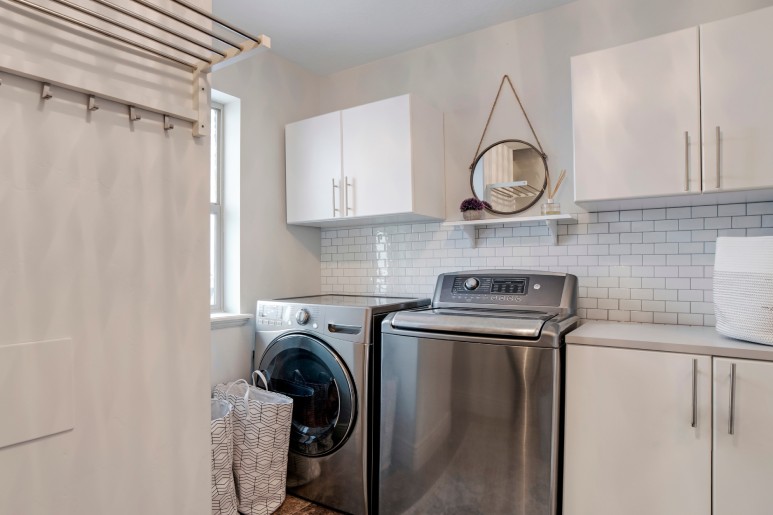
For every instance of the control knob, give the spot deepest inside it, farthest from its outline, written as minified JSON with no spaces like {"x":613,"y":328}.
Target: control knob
{"x":302,"y":316}
{"x":471,"y":283}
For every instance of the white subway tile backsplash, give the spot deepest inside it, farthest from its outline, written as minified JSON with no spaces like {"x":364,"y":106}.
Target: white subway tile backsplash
{"x":651,"y":265}
{"x":731,"y":210}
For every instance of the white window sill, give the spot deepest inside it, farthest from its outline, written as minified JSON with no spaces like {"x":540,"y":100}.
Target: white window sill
{"x":223,"y":320}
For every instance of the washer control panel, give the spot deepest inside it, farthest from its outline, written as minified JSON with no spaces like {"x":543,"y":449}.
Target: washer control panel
{"x":502,"y":288}
{"x":282,"y":316}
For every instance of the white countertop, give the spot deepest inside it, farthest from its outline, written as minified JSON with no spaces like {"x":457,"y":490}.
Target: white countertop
{"x":667,"y":338}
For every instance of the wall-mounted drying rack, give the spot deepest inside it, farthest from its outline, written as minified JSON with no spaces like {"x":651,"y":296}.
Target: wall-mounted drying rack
{"x":200,"y":61}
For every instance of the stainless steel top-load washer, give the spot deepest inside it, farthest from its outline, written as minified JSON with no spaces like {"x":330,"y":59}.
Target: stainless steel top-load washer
{"x":319,"y":351}
{"x":471,"y":393}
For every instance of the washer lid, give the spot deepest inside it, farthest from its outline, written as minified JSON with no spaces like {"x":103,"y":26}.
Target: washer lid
{"x":513,"y":324}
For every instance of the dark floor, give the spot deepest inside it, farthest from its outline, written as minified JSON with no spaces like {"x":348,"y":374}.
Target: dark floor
{"x":297,"y":506}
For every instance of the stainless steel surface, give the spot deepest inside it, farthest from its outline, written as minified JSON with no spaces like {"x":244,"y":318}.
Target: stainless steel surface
{"x":347,"y":329}
{"x":149,"y":21}
{"x":719,"y":154}
{"x":375,"y":304}
{"x":133,"y":30}
{"x":544,"y":291}
{"x":335,"y":209}
{"x":694,"y":392}
{"x":471,"y":396}
{"x":522,"y":324}
{"x":218,"y":20}
{"x":184,"y":21}
{"x":302,"y":316}
{"x":731,"y":418}
{"x":346,"y":196}
{"x":468,"y":427}
{"x":104,"y":32}
{"x":344,"y":325}
{"x":686,"y":161}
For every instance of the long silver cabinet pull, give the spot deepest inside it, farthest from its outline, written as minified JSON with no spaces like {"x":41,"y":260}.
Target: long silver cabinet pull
{"x":686,"y":161}
{"x":694,"y":393}
{"x":719,"y":153}
{"x":346,"y":195}
{"x":335,"y":187}
{"x":731,"y":419}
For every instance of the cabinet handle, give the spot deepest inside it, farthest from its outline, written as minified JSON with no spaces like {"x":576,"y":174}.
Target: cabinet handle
{"x":731,"y":420}
{"x":694,"y":392}
{"x":686,"y":161}
{"x":719,"y":154}
{"x":346,"y":195}
{"x":335,"y":209}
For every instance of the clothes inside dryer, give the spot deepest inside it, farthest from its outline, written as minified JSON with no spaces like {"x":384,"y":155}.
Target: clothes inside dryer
{"x":306,"y":370}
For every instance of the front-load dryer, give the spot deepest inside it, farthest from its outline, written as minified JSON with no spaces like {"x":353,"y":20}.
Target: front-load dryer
{"x":320,"y":351}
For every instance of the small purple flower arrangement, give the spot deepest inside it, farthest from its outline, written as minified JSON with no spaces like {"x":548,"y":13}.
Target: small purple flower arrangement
{"x":472,"y":208}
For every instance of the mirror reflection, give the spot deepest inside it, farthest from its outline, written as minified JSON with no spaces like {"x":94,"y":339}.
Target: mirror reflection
{"x":510,"y":175}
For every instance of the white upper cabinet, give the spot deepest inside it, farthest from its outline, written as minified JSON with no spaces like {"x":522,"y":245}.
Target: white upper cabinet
{"x":636,"y":115}
{"x":737,"y":80}
{"x":743,"y":460}
{"x":637,"y":437}
{"x":384,"y":163}
{"x":675,"y":115}
{"x":377,"y":158}
{"x":313,"y":168}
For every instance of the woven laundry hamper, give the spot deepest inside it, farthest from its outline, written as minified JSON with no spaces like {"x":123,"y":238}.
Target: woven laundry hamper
{"x":743,"y":288}
{"x":262,"y":423}
{"x":221,"y":459}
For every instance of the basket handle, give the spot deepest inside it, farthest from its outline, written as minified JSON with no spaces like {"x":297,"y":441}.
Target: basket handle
{"x":262,"y":377}
{"x":246,"y":394}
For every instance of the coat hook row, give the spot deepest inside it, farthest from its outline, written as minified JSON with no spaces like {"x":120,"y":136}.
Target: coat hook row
{"x":46,"y":93}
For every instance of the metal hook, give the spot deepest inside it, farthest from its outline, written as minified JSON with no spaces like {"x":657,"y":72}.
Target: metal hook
{"x":45,"y":93}
{"x":93,"y":103}
{"x":134,"y":115}
{"x":168,"y":125}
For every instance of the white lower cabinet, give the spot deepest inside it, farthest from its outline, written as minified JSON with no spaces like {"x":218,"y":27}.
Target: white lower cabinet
{"x":743,"y":437}
{"x":637,"y":434}
{"x":660,"y":433}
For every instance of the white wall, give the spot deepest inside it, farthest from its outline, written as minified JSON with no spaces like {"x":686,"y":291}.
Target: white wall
{"x":277,"y":260}
{"x":104,"y":227}
{"x":461,"y":75}
{"x":645,"y":266}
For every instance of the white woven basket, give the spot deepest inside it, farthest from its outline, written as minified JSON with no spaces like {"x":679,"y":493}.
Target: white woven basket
{"x":743,"y":288}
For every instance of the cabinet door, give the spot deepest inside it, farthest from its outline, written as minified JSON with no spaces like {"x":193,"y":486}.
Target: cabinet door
{"x":377,"y":158}
{"x":313,"y":168}
{"x":633,"y":442}
{"x":636,"y":118}
{"x":736,"y":81}
{"x":743,"y":460}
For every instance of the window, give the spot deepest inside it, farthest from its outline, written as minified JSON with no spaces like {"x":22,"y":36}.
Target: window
{"x":216,"y":211}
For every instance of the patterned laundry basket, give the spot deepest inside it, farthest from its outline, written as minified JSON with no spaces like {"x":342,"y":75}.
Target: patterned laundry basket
{"x":221,"y":434}
{"x":262,"y":422}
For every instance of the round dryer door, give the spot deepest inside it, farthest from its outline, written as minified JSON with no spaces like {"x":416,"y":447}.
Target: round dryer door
{"x":304,"y":368}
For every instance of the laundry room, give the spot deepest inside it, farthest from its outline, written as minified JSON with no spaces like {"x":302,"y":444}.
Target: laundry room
{"x":502,"y":257}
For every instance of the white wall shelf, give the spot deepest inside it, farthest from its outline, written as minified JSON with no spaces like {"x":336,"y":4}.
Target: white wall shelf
{"x":468,"y":226}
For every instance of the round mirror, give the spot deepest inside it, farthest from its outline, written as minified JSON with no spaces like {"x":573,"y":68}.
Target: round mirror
{"x":511,"y":175}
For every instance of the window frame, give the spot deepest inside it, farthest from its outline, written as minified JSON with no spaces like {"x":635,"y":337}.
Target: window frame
{"x":216,"y":208}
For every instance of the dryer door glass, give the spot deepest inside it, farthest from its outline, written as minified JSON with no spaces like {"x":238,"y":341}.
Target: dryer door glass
{"x":324,"y":400}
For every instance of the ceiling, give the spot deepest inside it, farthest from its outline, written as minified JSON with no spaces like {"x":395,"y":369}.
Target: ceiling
{"x":326,"y":36}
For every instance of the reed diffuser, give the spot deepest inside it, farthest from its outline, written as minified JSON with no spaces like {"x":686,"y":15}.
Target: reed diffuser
{"x":551,"y":207}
